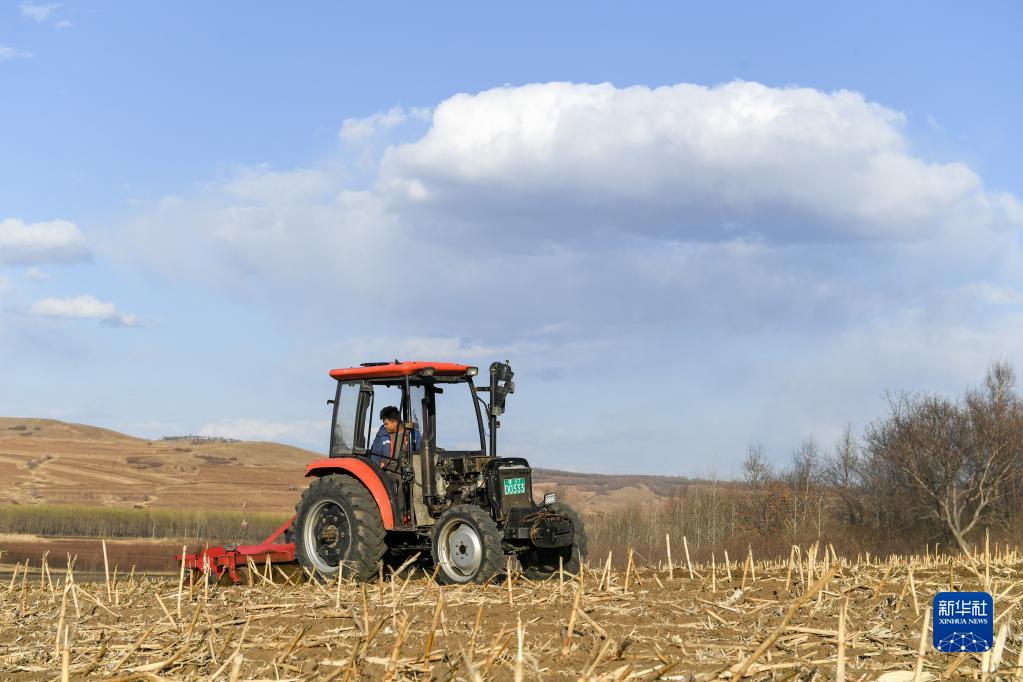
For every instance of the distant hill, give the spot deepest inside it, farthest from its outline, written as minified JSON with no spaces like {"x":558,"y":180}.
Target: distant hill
{"x":44,"y":460}
{"x":50,"y":461}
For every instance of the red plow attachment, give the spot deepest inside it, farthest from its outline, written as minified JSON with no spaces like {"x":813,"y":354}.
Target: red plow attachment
{"x":214,"y":562}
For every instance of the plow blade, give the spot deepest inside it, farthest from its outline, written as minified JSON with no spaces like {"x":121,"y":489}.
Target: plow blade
{"x":214,"y":562}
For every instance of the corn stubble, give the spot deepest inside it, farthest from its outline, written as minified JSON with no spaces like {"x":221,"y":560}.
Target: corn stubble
{"x":815,"y":615}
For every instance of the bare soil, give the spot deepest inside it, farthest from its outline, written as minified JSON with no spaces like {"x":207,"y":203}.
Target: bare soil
{"x":145,"y":556}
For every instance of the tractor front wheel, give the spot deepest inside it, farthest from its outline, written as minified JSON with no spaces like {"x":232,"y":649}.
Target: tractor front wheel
{"x":539,"y":564}
{"x":467,"y":546}
{"x":338,"y":528}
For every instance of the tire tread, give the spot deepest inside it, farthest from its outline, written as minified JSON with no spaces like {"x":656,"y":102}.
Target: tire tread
{"x":369,"y":537}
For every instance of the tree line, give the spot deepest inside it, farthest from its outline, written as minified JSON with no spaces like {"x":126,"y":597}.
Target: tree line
{"x":932,"y":467}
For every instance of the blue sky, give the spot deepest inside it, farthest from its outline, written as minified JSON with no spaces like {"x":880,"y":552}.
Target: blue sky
{"x":689,"y":227}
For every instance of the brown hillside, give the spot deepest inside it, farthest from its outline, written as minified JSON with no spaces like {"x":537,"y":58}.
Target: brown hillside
{"x":49,"y":461}
{"x":44,"y":460}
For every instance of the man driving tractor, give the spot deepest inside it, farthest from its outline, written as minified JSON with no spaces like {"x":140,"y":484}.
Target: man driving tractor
{"x":391,"y":433}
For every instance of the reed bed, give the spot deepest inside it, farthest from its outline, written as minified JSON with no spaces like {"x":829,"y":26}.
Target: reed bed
{"x":813,"y":615}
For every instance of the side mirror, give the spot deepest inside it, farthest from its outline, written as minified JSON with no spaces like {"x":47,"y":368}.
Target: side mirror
{"x":501,"y":385}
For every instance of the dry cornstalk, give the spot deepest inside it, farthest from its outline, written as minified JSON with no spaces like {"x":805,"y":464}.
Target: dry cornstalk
{"x":518,"y":657}
{"x":476,"y":627}
{"x":671,"y":566}
{"x":511,"y":600}
{"x":628,"y":570}
{"x":60,"y":622}
{"x":912,"y":591}
{"x":840,"y":667}
{"x":741,"y":668}
{"x":392,"y":666}
{"x":106,"y":572}
{"x":65,"y":657}
{"x":181,"y":577}
{"x":999,"y":648}
{"x":606,"y":575}
{"x":567,"y":644}
{"x":919,"y":669}
{"x":685,"y":544}
{"x":433,"y":627}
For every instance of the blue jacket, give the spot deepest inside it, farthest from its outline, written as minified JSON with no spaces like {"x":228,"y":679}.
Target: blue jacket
{"x":380,"y":451}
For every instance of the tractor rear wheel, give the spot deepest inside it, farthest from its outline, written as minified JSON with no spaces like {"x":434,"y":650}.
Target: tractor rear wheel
{"x":467,"y":546}
{"x":338,"y":528}
{"x":539,"y":564}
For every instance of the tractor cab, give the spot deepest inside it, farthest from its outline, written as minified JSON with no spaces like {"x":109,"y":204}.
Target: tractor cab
{"x":419,"y":395}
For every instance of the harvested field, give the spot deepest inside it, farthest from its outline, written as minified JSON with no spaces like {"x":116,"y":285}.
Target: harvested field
{"x":762,"y":619}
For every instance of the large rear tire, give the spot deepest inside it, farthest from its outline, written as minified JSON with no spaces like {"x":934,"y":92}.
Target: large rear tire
{"x":338,"y":528}
{"x":467,"y":546}
{"x":541,"y":564}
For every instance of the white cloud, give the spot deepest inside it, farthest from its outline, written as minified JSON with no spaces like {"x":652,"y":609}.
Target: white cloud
{"x":362,"y":129}
{"x":84,"y":307}
{"x":8,"y":52}
{"x":685,"y":162}
{"x":244,"y":428}
{"x":598,"y":206}
{"x":36,"y":275}
{"x":55,"y":241}
{"x":38,"y":12}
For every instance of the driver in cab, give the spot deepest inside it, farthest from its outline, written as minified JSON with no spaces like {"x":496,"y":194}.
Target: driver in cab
{"x":391,"y":433}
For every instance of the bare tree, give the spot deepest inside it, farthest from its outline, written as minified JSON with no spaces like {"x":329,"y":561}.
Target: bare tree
{"x":760,"y":504}
{"x":955,"y":460}
{"x":843,"y":473}
{"x":756,"y":470}
{"x":804,"y":486}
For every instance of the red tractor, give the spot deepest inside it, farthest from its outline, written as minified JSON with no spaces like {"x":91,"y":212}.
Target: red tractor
{"x":460,"y":504}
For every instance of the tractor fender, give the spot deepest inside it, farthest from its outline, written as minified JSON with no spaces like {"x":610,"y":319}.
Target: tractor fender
{"x":364,"y":474}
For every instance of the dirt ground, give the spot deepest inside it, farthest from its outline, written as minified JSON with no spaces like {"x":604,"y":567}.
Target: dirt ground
{"x":771,"y":620}
{"x":148,"y":556}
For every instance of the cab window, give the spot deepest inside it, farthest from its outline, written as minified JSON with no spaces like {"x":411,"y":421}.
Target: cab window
{"x":342,"y":437}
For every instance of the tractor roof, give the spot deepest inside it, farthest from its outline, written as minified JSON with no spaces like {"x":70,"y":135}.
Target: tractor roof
{"x":391,"y":370}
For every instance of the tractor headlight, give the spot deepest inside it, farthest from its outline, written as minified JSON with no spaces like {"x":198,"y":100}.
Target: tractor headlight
{"x":549,"y":499}
{"x":427,"y":372}
{"x":472,"y":371}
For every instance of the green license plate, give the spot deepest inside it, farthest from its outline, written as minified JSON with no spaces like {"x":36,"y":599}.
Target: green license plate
{"x":514,"y":486}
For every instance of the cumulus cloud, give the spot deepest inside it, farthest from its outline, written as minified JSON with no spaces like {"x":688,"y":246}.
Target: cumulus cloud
{"x":8,"y":52}
{"x":85,"y":307}
{"x":55,"y":241}
{"x":685,"y":162}
{"x":246,"y":428}
{"x":733,"y":206}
